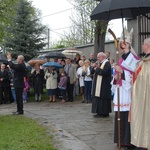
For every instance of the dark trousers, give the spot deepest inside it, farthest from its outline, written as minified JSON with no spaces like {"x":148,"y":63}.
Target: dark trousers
{"x":88,"y":88}
{"x":70,"y":89}
{"x":19,"y":99}
{"x":63,"y":93}
{"x":4,"y":94}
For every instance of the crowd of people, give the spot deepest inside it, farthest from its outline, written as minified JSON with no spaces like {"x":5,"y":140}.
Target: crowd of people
{"x":98,"y":80}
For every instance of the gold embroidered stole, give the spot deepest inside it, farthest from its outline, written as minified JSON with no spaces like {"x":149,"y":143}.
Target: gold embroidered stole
{"x":99,"y":81}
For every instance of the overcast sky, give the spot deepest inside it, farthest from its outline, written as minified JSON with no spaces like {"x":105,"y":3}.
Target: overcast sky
{"x":53,"y":18}
{"x":57,"y":21}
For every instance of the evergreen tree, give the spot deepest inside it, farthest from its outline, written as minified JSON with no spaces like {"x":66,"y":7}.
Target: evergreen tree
{"x":7,"y":11}
{"x":26,"y":33}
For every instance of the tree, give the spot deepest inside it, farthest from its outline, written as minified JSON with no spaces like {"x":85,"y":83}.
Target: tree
{"x":99,"y":40}
{"x":90,"y":31}
{"x":26,"y":33}
{"x":7,"y":11}
{"x":100,"y":33}
{"x":82,"y":29}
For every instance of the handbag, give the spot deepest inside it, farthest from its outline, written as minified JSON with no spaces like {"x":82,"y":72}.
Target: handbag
{"x":83,"y":74}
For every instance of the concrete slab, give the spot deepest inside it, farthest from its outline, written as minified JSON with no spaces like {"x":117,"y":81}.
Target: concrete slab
{"x":72,"y":124}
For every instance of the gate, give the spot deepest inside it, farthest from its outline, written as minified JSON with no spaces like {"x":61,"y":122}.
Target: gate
{"x":144,"y":29}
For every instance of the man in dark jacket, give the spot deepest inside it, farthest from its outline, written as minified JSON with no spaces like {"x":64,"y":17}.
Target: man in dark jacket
{"x":4,"y":85}
{"x":19,"y":73}
{"x":92,"y":58}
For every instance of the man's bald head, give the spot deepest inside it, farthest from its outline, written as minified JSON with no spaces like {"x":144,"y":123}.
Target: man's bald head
{"x":101,"y":56}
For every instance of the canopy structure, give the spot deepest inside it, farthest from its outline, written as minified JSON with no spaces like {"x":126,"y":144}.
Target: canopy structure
{"x":71,"y":53}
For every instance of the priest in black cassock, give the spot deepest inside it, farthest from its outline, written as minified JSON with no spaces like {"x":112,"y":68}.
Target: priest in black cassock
{"x":101,"y":93}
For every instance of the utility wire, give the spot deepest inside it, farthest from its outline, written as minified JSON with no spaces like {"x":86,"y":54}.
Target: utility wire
{"x":56,"y":13}
{"x":70,"y":2}
{"x":61,"y":28}
{"x":57,"y":33}
{"x":53,"y":30}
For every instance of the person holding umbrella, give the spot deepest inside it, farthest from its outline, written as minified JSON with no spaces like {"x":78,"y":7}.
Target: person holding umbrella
{"x":125,"y":68}
{"x":51,"y":83}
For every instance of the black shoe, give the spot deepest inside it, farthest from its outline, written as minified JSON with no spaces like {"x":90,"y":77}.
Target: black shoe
{"x":138,"y":148}
{"x":17,"y":113}
{"x":7,"y":102}
{"x":105,"y":116}
{"x":97,"y":116}
{"x":132,"y":147}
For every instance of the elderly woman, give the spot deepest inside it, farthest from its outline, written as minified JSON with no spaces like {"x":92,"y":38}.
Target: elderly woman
{"x":38,"y":79}
{"x":51,"y":83}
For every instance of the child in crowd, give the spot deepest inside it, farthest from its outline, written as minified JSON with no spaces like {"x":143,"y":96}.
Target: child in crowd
{"x":25,"y":90}
{"x":62,"y":85}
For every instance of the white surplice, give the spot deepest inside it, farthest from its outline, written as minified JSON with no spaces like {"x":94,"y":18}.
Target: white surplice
{"x":125,"y":93}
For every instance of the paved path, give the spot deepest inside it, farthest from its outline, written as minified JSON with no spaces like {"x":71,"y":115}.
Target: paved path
{"x":71,"y":123}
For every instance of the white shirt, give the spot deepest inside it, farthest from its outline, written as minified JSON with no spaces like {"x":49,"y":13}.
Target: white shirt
{"x":81,"y":79}
{"x":87,"y":77}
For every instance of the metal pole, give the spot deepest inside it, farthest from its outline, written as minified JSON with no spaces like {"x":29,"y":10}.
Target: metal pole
{"x":48,"y":37}
{"x":118,"y":89}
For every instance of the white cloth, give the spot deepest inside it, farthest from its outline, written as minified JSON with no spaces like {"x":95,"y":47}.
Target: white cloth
{"x":81,"y":79}
{"x":124,"y":93}
{"x":99,"y":80}
{"x":51,"y":80}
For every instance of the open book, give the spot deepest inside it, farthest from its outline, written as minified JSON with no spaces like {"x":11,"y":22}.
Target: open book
{"x":130,"y":63}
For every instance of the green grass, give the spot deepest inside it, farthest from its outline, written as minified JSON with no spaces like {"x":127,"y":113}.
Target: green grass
{"x":31,"y":97}
{"x":45,"y":97}
{"x":21,"y":133}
